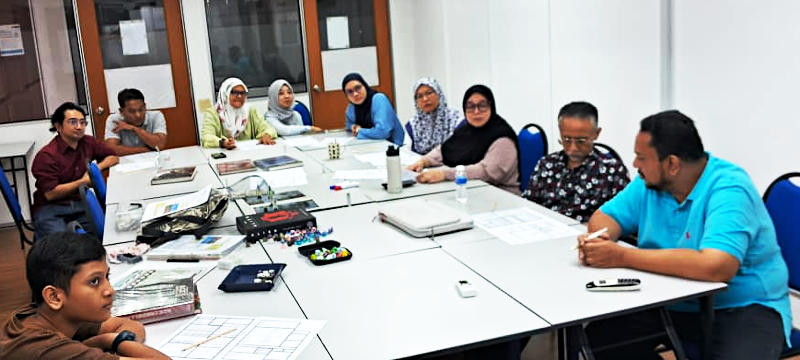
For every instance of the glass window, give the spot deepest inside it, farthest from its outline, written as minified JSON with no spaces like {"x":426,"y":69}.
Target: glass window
{"x":257,"y":41}
{"x":360,"y":21}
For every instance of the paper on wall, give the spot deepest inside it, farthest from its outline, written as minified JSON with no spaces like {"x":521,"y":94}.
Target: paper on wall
{"x":11,"y":40}
{"x":338,"y":32}
{"x":133,"y":34}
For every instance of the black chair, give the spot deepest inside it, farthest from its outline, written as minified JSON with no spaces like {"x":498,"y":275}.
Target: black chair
{"x":607,"y":150}
{"x":16,"y":211}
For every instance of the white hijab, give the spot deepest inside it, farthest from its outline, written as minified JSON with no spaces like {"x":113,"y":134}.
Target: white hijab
{"x":233,"y":120}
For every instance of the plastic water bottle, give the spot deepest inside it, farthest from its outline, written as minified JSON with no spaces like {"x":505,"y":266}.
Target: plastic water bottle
{"x":461,"y":184}
{"x":394,"y":183}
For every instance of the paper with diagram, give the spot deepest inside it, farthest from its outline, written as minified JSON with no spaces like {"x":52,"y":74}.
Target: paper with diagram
{"x":239,"y":337}
{"x":522,"y":226}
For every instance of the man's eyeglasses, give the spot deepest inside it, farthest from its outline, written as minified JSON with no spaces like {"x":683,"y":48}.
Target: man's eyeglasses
{"x":355,"y":90}
{"x":75,"y":122}
{"x":238,"y":93}
{"x":425,"y":94}
{"x":580,"y":141}
{"x":482,"y":106}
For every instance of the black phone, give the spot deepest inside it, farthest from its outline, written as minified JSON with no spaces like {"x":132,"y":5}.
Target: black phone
{"x":218,"y":155}
{"x":406,"y":183}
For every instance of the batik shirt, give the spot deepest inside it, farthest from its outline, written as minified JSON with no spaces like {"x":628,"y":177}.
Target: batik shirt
{"x":577,"y":192}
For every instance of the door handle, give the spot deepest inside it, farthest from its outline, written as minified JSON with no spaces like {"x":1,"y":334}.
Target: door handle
{"x":317,"y":88}
{"x":100,"y":111}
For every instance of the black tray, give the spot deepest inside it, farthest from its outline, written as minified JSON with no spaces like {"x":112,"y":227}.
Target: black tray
{"x":241,"y":278}
{"x":307,"y":250}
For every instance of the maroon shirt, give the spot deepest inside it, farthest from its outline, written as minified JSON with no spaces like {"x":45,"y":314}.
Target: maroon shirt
{"x":57,"y":163}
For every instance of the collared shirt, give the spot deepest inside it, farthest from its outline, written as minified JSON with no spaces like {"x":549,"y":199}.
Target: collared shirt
{"x":57,"y":163}
{"x":577,"y":192}
{"x":154,"y":123}
{"x":723,"y":212}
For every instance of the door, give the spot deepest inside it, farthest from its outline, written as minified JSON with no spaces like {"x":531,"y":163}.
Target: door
{"x":138,"y":44}
{"x":345,"y":36}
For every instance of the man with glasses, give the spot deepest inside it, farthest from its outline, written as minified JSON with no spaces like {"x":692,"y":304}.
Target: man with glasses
{"x":60,"y":169}
{"x":578,"y":179}
{"x":134,"y":129}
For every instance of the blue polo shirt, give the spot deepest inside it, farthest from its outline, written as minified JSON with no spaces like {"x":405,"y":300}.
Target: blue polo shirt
{"x":723,"y":212}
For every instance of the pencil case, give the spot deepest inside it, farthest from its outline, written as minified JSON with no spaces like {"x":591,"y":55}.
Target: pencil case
{"x":252,"y":278}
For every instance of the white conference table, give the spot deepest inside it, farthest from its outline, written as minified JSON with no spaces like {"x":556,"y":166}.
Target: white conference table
{"x":558,"y":294}
{"x":301,"y":142}
{"x":135,"y":185}
{"x":112,"y":236}
{"x":357,"y":229}
{"x":277,"y":302}
{"x":405,"y":305}
{"x":171,"y":158}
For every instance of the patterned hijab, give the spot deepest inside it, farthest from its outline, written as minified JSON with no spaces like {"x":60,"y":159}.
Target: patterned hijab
{"x":233,"y":120}
{"x":433,"y":128}
{"x":275,"y":110}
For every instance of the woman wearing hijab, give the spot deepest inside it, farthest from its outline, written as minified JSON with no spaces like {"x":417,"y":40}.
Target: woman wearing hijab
{"x":233,"y":119}
{"x":486,"y":145}
{"x":434,"y":121}
{"x":280,"y":114}
{"x":370,"y":114}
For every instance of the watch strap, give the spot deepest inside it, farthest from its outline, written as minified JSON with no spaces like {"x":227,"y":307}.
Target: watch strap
{"x":124,"y":335}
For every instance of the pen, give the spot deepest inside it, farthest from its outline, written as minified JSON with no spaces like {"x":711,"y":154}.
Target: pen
{"x":593,"y":236}
{"x":183,"y":260}
{"x":344,"y":185}
{"x":209,"y":339}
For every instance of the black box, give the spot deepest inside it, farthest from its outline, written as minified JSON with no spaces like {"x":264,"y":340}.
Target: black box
{"x":241,"y":278}
{"x":269,"y":224}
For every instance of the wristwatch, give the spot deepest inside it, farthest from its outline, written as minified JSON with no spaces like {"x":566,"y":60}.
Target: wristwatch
{"x":124,"y":335}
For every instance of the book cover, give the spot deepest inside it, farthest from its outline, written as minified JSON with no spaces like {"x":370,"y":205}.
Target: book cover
{"x":174,"y":175}
{"x":209,"y":247}
{"x":233,"y":167}
{"x":150,"y":295}
{"x":277,"y":163}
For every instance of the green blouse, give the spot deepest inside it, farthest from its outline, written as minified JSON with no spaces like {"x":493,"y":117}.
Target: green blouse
{"x":256,"y":127}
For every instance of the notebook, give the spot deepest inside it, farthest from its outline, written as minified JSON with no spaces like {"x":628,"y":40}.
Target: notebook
{"x":277,"y":163}
{"x":421,"y":218}
{"x":209,"y":247}
{"x":233,"y":167}
{"x":175,"y":175}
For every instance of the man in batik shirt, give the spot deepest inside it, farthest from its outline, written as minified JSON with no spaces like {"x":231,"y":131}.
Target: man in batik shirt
{"x":578,"y":179}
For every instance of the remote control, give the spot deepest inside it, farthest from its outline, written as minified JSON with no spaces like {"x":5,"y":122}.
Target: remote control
{"x":465,"y":289}
{"x":622,"y":284}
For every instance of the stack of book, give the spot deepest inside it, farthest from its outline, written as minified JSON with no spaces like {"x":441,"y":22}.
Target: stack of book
{"x":151,"y":295}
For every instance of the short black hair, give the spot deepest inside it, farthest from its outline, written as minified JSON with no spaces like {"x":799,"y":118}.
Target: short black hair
{"x":129,"y":94}
{"x":58,"y":115}
{"x":673,"y":133}
{"x":579,"y":109}
{"x":54,"y":260}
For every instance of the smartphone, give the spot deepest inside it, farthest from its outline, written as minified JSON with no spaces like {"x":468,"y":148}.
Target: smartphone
{"x":218,"y":155}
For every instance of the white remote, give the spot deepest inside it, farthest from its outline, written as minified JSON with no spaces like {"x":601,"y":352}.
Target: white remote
{"x":466,"y":289}
{"x":622,"y":284}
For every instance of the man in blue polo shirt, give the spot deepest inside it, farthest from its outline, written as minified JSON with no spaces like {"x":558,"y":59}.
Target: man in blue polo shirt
{"x":698,"y":217}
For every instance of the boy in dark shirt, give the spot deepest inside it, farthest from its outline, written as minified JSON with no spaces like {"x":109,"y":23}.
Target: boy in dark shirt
{"x":71,"y":314}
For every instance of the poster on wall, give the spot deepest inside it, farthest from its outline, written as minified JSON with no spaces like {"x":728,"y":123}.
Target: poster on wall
{"x":11,"y":40}
{"x":338,"y":32}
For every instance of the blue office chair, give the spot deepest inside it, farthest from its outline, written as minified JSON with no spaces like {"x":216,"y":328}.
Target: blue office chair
{"x":16,"y":211}
{"x":532,"y":147}
{"x":607,"y":151}
{"x":94,"y":211}
{"x":782,"y":200}
{"x":410,"y":132}
{"x":302,"y":109}
{"x":98,"y":183}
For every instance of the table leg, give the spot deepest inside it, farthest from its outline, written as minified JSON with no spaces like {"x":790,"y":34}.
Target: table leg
{"x":707,"y":324}
{"x":677,"y":347}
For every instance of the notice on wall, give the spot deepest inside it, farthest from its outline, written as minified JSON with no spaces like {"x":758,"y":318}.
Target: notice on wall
{"x":338,"y":32}
{"x":133,"y":34}
{"x":11,"y":40}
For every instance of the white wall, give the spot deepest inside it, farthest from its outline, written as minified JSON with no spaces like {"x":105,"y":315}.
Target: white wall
{"x":737,"y":74}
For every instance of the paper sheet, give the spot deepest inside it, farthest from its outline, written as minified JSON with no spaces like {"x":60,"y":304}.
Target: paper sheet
{"x":338,"y":63}
{"x":133,"y":34}
{"x":154,"y":81}
{"x":166,"y":207}
{"x":280,"y":178}
{"x":369,"y":174}
{"x":312,"y":143}
{"x":134,"y":166}
{"x":522,"y":226}
{"x":378,"y":159}
{"x":246,"y":144}
{"x":11,"y":40}
{"x":338,"y":32}
{"x":245,"y":338}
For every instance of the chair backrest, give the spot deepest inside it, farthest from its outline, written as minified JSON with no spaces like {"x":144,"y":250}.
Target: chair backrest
{"x":782,"y":200}
{"x":94,"y":211}
{"x":607,"y":150}
{"x":410,"y":132}
{"x":98,"y":183}
{"x":13,"y":206}
{"x":302,"y":109}
{"x":532,"y":147}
